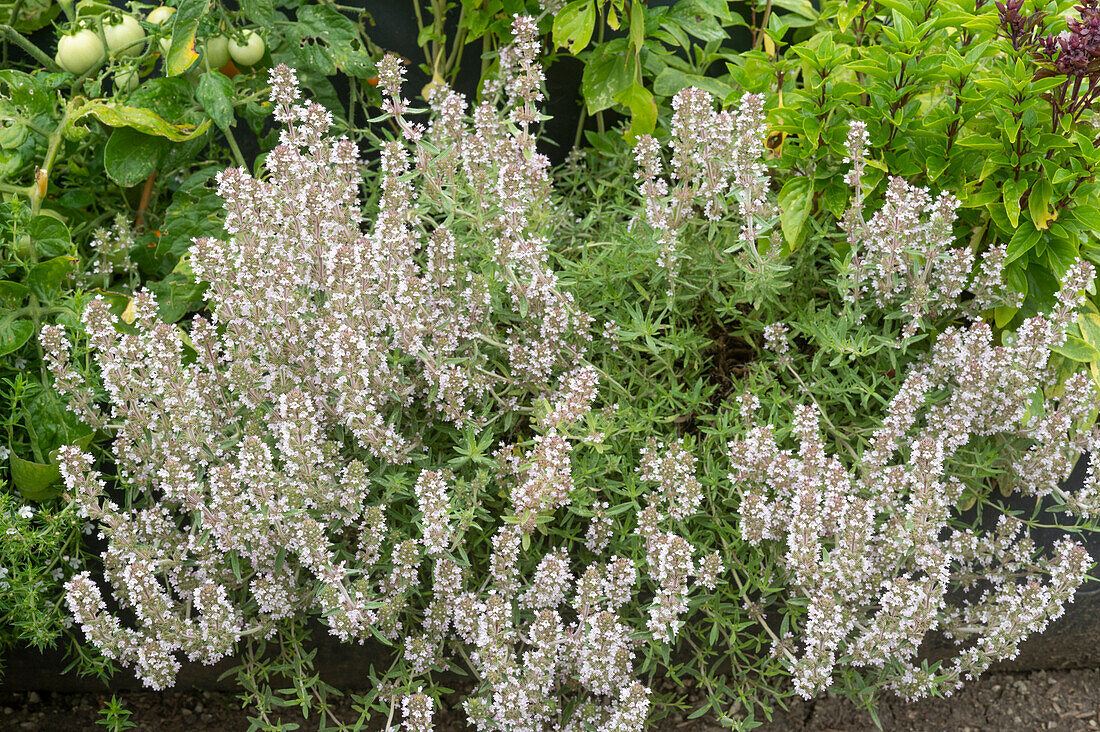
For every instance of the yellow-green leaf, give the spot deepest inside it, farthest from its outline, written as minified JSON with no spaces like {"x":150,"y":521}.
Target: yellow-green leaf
{"x":1090,"y":329}
{"x":1003,"y":315}
{"x":1038,"y":204}
{"x":573,"y":25}
{"x":140,"y":119}
{"x":1012,"y":191}
{"x":795,"y":201}
{"x":182,"y":54}
{"x":1078,"y":350}
{"x":643,"y":109}
{"x":36,"y":481}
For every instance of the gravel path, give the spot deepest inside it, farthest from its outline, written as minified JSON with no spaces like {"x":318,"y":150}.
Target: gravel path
{"x":1066,"y":701}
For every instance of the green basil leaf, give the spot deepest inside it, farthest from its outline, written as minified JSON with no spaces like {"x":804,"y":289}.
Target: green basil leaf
{"x":573,"y":26}
{"x":1078,"y":350}
{"x":795,"y":202}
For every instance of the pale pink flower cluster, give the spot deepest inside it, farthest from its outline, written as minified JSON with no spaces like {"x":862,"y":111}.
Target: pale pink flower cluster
{"x":672,"y":469}
{"x":871,"y":546}
{"x":259,"y":444}
{"x":670,"y":557}
{"x":904,"y":255}
{"x":250,"y":435}
{"x":715,"y":156}
{"x":112,"y":254}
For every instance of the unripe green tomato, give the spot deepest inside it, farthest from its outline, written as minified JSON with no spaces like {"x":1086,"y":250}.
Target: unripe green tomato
{"x":126,"y":80}
{"x":249,"y":51}
{"x":80,"y":52}
{"x":160,"y":16}
{"x":125,"y":36}
{"x":216,"y":52}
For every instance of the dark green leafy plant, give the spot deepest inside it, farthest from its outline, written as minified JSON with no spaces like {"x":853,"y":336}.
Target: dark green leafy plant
{"x":951,"y":100}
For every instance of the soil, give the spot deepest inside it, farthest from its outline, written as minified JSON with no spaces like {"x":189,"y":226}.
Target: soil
{"x":1066,"y":701}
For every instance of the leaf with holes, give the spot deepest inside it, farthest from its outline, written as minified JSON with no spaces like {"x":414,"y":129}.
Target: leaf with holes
{"x":573,"y":26}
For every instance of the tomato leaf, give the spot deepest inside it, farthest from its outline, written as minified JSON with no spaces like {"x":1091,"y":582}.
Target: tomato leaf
{"x":12,"y":293}
{"x":215,"y":94}
{"x":44,"y":279}
{"x":140,"y":119}
{"x":36,"y":481}
{"x":182,"y":54}
{"x":643,"y":109}
{"x":51,"y":236}
{"x":131,"y":156}
{"x":607,"y":73}
{"x":13,"y":334}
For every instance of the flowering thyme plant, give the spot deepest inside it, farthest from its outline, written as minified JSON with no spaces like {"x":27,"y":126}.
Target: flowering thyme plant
{"x":851,"y":506}
{"x":320,"y":445}
{"x":403,"y":424}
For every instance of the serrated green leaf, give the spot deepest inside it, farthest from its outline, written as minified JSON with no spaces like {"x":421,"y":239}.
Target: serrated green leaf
{"x":339,"y":45}
{"x":671,"y":80}
{"x":607,"y":73}
{"x":261,"y":12}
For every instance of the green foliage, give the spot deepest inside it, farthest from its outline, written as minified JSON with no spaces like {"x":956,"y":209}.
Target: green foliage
{"x":115,"y":717}
{"x":949,"y":103}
